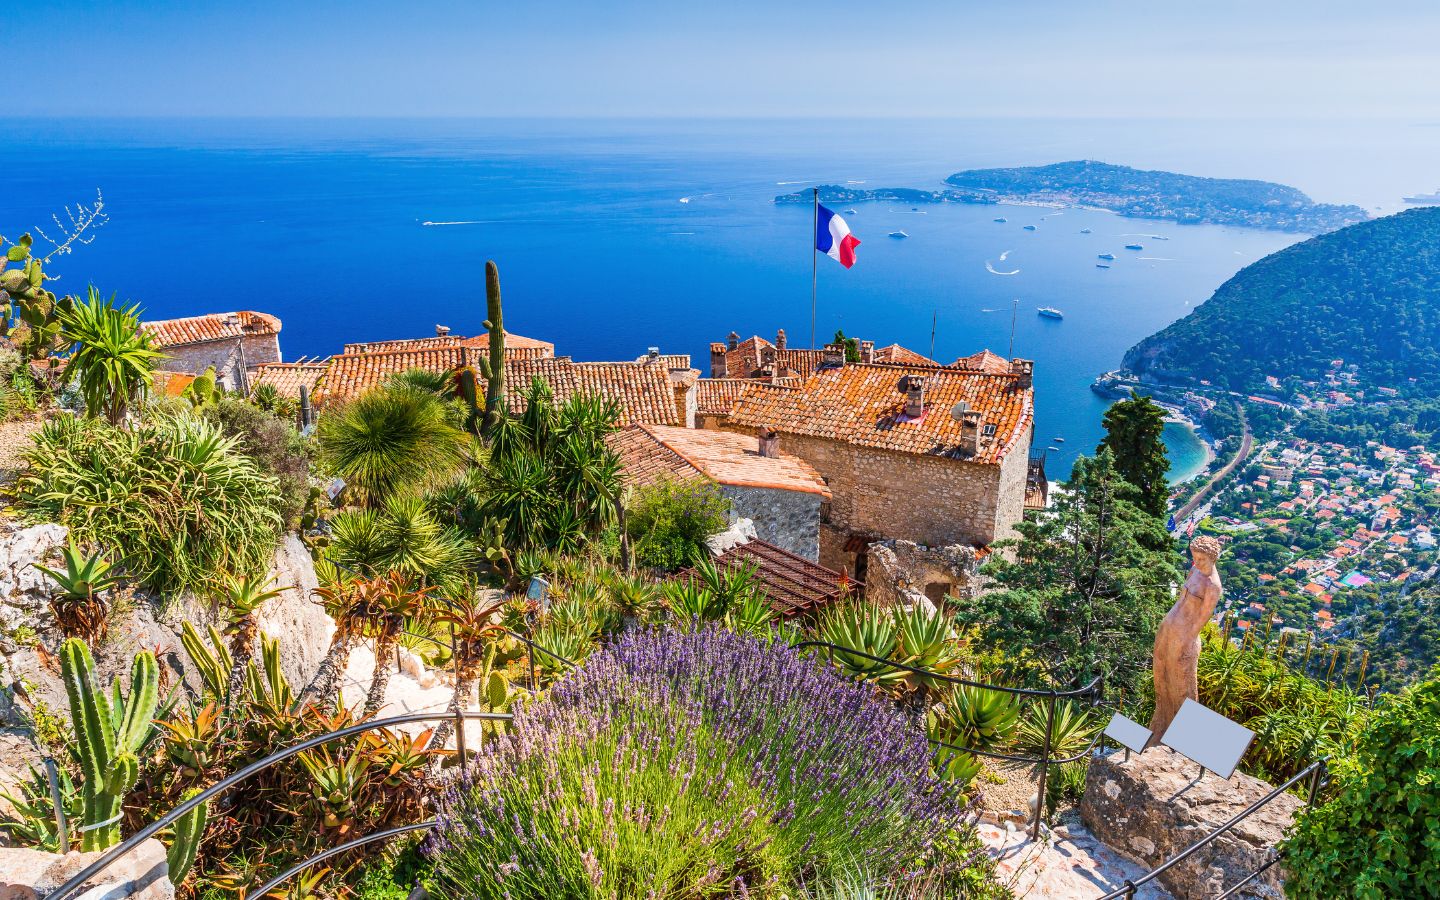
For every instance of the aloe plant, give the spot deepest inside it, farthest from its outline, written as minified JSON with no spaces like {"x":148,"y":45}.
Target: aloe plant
{"x":925,"y":640}
{"x":111,"y":733}
{"x":243,"y":599}
{"x":34,"y":824}
{"x":77,"y":606}
{"x":863,"y":627}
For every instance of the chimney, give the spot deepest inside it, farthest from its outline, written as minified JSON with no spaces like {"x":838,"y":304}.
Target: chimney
{"x":442,"y":330}
{"x":1025,"y":368}
{"x":654,"y":352}
{"x":832,"y":356}
{"x":915,"y":397}
{"x":970,"y":422}
{"x":733,"y":341}
{"x":769,"y":442}
{"x":867,"y":351}
{"x":767,"y":356}
{"x":780,"y":339}
{"x":717,"y":360}
{"x":747,"y":364}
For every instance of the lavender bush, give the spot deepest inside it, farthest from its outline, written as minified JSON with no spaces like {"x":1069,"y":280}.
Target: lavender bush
{"x":676,"y":765}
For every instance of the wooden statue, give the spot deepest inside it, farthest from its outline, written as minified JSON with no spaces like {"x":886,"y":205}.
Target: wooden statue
{"x":1177,"y":641}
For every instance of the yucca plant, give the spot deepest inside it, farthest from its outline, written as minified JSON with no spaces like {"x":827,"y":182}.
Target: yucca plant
{"x":33,"y":823}
{"x":390,"y":441}
{"x":754,"y":615}
{"x":691,"y":603}
{"x":78,"y":606}
{"x":242,"y":601}
{"x":111,"y":357}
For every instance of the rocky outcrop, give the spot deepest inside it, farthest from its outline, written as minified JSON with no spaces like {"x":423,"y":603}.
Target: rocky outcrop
{"x":34,"y":875}
{"x":1156,"y":805}
{"x":741,"y":532}
{"x":25,"y":590}
{"x":907,"y":574}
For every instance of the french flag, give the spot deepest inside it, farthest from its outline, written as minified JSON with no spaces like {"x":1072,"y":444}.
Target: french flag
{"x":833,"y":237}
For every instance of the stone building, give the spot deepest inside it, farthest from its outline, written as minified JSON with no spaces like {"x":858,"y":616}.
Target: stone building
{"x":780,"y":493}
{"x":287,"y":378}
{"x":932,"y":454}
{"x":235,"y":343}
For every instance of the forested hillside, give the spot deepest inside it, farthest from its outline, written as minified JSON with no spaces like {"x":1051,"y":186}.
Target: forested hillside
{"x":1368,"y":294}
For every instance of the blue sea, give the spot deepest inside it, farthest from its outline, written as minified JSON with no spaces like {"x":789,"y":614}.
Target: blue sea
{"x":613,"y":236}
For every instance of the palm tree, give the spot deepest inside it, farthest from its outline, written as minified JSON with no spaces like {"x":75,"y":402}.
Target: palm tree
{"x":243,"y":599}
{"x":391,"y":440}
{"x":474,"y":634}
{"x":111,"y":356}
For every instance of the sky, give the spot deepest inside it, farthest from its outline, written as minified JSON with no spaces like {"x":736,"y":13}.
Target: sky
{"x":766,"y":58}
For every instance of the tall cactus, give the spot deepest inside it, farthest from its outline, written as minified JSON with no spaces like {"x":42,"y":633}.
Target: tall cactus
{"x":494,"y":368}
{"x":111,"y":732}
{"x":189,"y":829}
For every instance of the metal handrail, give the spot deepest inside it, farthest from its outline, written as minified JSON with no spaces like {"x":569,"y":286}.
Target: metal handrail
{"x":76,"y":881}
{"x":1251,"y":877}
{"x":1025,"y":759}
{"x":270,"y":885}
{"x":1314,"y":770}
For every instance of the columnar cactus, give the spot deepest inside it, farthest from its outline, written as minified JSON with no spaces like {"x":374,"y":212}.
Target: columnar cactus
{"x":189,"y":829}
{"x":494,"y":368}
{"x":110,"y":731}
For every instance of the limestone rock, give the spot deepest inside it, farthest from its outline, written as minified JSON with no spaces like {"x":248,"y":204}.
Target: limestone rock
{"x":1153,"y":807}
{"x":25,"y":590}
{"x":906,"y":574}
{"x":33,"y":874}
{"x":742,"y":532}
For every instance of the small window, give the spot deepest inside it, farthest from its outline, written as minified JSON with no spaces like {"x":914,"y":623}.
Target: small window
{"x":988,"y":431}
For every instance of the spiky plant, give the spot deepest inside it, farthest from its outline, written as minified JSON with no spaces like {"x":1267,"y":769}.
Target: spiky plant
{"x":390,"y":441}
{"x":475,"y":634}
{"x":112,"y":356}
{"x":78,"y":606}
{"x":381,"y":615}
{"x":243,"y":599}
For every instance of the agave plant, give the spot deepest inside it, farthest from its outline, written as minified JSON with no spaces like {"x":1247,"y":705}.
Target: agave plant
{"x":974,"y":718}
{"x":925,"y":640}
{"x":565,"y":644}
{"x":1070,"y":734}
{"x":336,"y":786}
{"x":636,"y":598}
{"x":78,"y":608}
{"x":863,"y":627}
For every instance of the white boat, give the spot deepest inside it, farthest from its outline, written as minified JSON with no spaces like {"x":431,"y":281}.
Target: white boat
{"x":1107,"y":256}
{"x":1424,"y":198}
{"x":1059,"y":440}
{"x":1029,"y":227}
{"x":1056,"y":449}
{"x":1084,"y":231}
{"x":898,"y":234}
{"x":851,"y":212}
{"x":1101,"y":266}
{"x":1050,"y":312}
{"x":1134,"y":247}
{"x":1001,"y":219}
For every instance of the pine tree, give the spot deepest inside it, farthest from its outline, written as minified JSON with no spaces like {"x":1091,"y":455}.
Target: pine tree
{"x":1081,"y":594}
{"x":1134,"y":430}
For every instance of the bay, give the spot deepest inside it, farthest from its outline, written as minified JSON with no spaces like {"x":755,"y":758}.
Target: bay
{"x":613,"y":236}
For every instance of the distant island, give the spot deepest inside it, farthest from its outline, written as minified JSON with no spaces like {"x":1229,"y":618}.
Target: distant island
{"x":1129,"y":192}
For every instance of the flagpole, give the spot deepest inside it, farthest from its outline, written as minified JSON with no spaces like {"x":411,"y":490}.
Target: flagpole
{"x":814,"y":264}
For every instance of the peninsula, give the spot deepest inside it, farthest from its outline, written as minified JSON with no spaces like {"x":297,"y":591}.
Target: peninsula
{"x":1130,"y":192}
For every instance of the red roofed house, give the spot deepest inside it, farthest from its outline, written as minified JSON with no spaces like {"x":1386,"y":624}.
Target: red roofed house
{"x":235,"y":343}
{"x":931,"y":454}
{"x":780,"y":493}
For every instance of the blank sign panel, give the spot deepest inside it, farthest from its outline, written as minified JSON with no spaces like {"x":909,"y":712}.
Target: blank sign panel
{"x":1208,"y":738}
{"x":1129,"y":734}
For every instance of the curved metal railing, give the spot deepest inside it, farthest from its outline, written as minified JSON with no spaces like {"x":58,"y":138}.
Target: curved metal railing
{"x":66,"y":890}
{"x":1093,"y":689}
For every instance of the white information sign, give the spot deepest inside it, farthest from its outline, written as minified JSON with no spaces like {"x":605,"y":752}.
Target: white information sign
{"x":1208,"y":738}
{"x":1129,"y":734}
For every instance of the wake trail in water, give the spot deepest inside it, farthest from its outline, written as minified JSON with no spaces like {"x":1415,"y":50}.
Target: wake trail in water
{"x":453,"y":223}
{"x":993,"y":272}
{"x":1005,"y":254}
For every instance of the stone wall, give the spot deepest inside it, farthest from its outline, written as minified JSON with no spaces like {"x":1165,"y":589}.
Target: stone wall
{"x":908,"y":574}
{"x":788,"y":519}
{"x":143,"y":873}
{"x":1014,"y":469}
{"x":224,"y":355}
{"x":902,"y":495}
{"x":1155,"y":806}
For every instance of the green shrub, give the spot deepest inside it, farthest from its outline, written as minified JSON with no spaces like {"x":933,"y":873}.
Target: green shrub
{"x":671,"y":518}
{"x":276,"y":447}
{"x":1380,"y":837}
{"x":176,"y":498}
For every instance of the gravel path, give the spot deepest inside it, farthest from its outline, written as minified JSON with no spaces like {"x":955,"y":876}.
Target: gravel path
{"x":14,"y":438}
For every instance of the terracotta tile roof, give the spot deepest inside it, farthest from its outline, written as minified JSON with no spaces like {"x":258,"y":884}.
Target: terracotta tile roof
{"x":212,"y":327}
{"x":516,"y":347}
{"x":860,"y":404}
{"x":792,"y":584}
{"x":669,"y":361}
{"x":804,"y":362}
{"x":718,"y":396}
{"x":728,"y":458}
{"x":984,"y":361}
{"x":645,"y":459}
{"x":898,"y":355}
{"x":644,"y":392}
{"x":287,"y":377}
{"x":350,"y":374}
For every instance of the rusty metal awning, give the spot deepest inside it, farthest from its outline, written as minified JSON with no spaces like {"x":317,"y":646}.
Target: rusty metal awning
{"x":794,"y":584}
{"x":859,"y":543}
